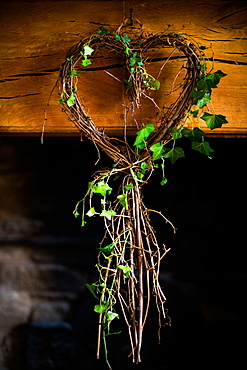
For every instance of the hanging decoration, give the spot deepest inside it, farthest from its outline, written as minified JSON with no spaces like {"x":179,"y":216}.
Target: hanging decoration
{"x":129,"y":253}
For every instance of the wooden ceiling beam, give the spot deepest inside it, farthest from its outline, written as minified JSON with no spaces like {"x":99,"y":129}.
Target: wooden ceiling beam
{"x":36,"y":35}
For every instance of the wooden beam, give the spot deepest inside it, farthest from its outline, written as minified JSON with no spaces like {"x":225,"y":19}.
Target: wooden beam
{"x":36,"y":35}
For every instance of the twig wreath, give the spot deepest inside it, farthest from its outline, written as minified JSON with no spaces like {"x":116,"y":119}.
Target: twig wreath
{"x":129,"y":254}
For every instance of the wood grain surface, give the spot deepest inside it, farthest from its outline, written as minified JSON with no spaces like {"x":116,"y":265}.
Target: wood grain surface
{"x":35,"y":36}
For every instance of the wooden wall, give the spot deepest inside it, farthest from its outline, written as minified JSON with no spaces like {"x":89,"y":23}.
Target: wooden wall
{"x":36,"y":35}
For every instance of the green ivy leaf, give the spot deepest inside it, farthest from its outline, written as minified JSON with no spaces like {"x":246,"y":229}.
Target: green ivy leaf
{"x":140,"y":175}
{"x":109,"y":316}
{"x":118,"y":37}
{"x":145,"y":166}
{"x":214,"y":120}
{"x":200,"y":98}
{"x":204,"y":100}
{"x":202,"y":67}
{"x":101,"y":308}
{"x":83,"y":223}
{"x":154,"y":85}
{"x":194,"y":113}
{"x":123,"y":200}
{"x":147,"y":81}
{"x":194,"y":134}
{"x":128,"y":187}
{"x":129,"y":84}
{"x":107,"y":249}
{"x":108,"y":214}
{"x":93,"y":289}
{"x":174,"y":154}
{"x":76,"y":213}
{"x":202,"y":147}
{"x":112,"y":333}
{"x":73,"y":72}
{"x":158,"y":151}
{"x":127,"y":51}
{"x":163,"y":181}
{"x":87,"y":50}
{"x":134,"y":60}
{"x":102,"y":31}
{"x":176,"y":134}
{"x":86,"y":62}
{"x":126,"y":270}
{"x":102,"y":188}
{"x":142,"y":136}
{"x":71,"y":100}
{"x":205,"y":84}
{"x":125,"y":39}
{"x":216,"y":76}
{"x":91,"y":212}
{"x":196,"y":95}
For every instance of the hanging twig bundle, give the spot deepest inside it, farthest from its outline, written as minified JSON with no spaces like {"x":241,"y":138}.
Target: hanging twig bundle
{"x":129,"y":254}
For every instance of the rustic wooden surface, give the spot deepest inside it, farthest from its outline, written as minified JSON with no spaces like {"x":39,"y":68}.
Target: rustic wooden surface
{"x":36,"y":35}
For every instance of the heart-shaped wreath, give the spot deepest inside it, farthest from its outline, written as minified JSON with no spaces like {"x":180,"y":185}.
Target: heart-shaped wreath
{"x":129,"y":254}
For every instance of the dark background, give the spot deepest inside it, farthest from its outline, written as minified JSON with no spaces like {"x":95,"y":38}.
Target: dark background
{"x":204,"y":275}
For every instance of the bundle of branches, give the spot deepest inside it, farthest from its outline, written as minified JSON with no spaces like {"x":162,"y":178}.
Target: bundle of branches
{"x":129,"y":254}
